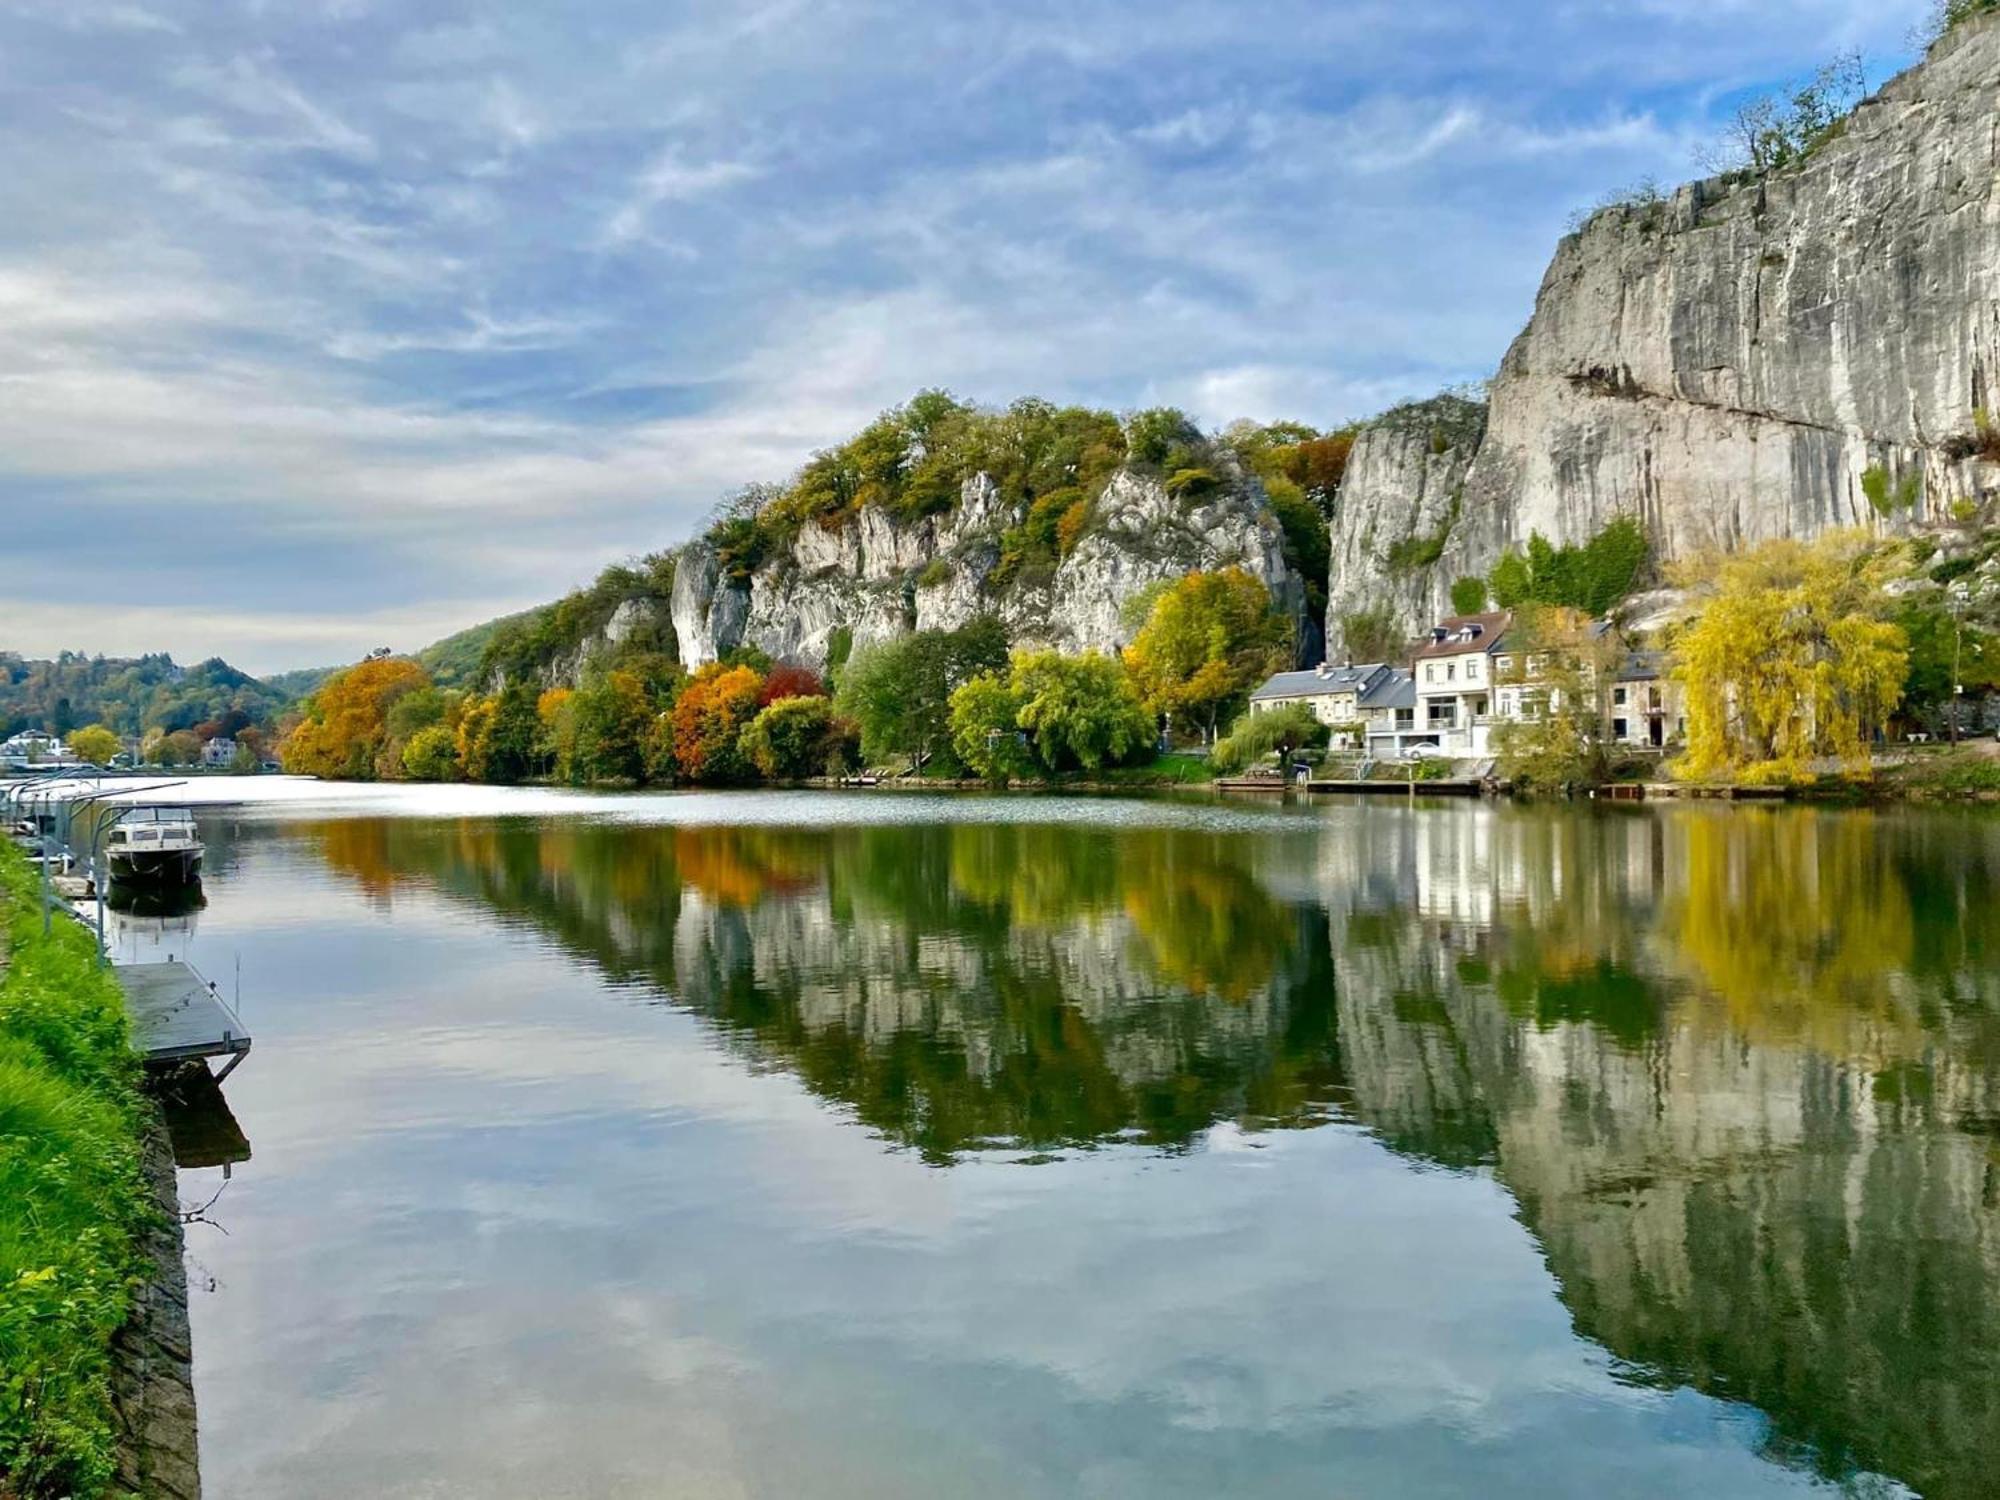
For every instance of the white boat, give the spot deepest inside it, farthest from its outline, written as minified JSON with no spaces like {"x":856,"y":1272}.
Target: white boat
{"x":154,"y":845}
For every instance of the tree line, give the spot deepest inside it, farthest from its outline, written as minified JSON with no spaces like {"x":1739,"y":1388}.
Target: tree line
{"x":943,"y":702}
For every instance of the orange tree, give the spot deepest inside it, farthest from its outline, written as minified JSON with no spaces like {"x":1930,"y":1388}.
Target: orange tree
{"x":707,"y":721}
{"x":346,"y":722}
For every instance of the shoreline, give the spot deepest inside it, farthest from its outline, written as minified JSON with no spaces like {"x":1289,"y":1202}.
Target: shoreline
{"x":152,"y":1378}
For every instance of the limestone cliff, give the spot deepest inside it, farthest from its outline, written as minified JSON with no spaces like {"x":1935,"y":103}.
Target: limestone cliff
{"x":1728,"y":364}
{"x":873,"y":576}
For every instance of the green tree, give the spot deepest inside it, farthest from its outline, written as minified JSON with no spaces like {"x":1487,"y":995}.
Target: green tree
{"x":1564,"y":670}
{"x":431,"y":754}
{"x":899,"y":692}
{"x":1210,"y":638}
{"x":1081,"y":711}
{"x":1468,"y":596}
{"x":986,"y":728}
{"x":1374,"y":635}
{"x":614,"y":717}
{"x":1283,"y":731}
{"x":793,"y":738}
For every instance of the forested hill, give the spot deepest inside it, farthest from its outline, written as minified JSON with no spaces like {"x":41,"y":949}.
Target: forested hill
{"x":132,"y":695}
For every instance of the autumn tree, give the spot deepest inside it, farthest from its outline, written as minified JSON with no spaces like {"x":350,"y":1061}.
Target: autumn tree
{"x":346,"y":722}
{"x":431,"y":754}
{"x":95,"y":743}
{"x":1211,"y":637}
{"x":707,"y":722}
{"x":1792,"y":658}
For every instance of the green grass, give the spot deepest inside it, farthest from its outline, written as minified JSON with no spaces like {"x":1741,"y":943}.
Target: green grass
{"x":1942,"y":771}
{"x":1171,"y":769}
{"x":72,"y":1198}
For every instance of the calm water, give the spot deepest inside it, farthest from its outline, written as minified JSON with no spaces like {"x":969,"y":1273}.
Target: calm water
{"x":794,"y":1145}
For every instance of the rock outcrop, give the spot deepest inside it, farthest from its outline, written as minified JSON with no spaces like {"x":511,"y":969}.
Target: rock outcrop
{"x":1728,"y":364}
{"x":874,"y":577}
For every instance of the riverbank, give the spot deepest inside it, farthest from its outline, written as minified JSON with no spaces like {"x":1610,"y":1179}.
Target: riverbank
{"x":75,"y":1202}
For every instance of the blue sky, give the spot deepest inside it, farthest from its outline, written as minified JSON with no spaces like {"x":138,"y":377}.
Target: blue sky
{"x":341,"y":324}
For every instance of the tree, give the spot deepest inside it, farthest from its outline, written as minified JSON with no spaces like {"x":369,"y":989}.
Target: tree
{"x":1592,"y":577}
{"x":899,"y":693}
{"x":346,"y":725}
{"x":432,"y":754}
{"x":1779,"y":130}
{"x":1564,"y":668}
{"x":789,"y":680}
{"x":1791,"y":658}
{"x":708,"y":719}
{"x":95,"y":743}
{"x":613,"y":717}
{"x":793,"y":738}
{"x":1210,"y":639}
{"x":245,"y":762}
{"x":986,"y":728}
{"x":1284,"y":731}
{"x":1468,"y":596}
{"x":1081,"y":711}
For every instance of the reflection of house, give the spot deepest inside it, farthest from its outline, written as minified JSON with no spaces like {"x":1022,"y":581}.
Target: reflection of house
{"x":1455,"y":676}
{"x":1333,"y":693}
{"x":218,"y":752}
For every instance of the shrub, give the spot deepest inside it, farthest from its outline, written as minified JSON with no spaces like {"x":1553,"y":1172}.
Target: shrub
{"x":1592,"y":577}
{"x":1468,"y":596}
{"x":1889,"y":497}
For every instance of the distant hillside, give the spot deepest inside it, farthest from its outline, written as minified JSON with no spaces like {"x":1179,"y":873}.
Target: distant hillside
{"x":455,"y":660}
{"x":131,"y":694}
{"x":299,"y":683}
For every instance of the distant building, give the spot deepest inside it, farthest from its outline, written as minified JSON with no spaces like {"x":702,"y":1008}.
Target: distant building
{"x":1389,"y":715}
{"x":1645,"y":711}
{"x":218,"y":753}
{"x":31,"y":747}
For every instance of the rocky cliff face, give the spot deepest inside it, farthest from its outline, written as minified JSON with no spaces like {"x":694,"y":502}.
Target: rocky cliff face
{"x":1727,"y":365}
{"x":876,"y":577}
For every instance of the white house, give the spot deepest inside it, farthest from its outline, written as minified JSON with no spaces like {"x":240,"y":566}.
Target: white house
{"x":218,"y":752}
{"x":1456,"y":677}
{"x":31,"y":747}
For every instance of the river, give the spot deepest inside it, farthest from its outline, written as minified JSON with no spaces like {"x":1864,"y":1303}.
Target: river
{"x":888,"y":1145}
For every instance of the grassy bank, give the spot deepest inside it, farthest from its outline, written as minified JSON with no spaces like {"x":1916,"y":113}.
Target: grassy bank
{"x":72,"y":1198}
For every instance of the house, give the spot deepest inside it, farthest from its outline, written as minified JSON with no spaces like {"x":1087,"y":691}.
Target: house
{"x":1645,"y":708}
{"x":1455,"y":675}
{"x":1333,"y":693}
{"x":218,"y":753}
{"x":31,"y":747}
{"x":1388,"y":711}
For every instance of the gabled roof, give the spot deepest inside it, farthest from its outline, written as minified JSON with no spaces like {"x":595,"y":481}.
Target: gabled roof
{"x":1642,"y":665}
{"x":1319,"y":681}
{"x":1462,"y":633}
{"x":1394,"y":689}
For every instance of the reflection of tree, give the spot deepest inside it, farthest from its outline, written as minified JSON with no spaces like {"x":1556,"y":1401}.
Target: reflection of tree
{"x":956,"y":988}
{"x":1758,"y":1164}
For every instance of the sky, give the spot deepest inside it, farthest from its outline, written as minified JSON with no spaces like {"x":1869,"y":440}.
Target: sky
{"x":335,"y":324}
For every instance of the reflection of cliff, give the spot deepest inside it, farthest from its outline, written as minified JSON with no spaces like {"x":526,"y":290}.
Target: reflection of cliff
{"x":1740,"y":1074}
{"x":1740,"y":1071}
{"x":956,"y":988}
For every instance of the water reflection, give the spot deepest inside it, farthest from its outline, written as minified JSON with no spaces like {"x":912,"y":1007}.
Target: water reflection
{"x":1738,"y":1068}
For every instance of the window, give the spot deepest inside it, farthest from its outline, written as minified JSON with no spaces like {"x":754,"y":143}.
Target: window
{"x":1618,"y":696}
{"x":1472,"y":670}
{"x":1618,"y":729}
{"x":1406,"y":718}
{"x":1430,"y":671}
{"x":1451,"y":671}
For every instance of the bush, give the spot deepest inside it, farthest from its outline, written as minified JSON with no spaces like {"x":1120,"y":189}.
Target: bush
{"x":72,"y":1198}
{"x":1468,"y":596}
{"x":1888,"y":498}
{"x":1592,"y":577}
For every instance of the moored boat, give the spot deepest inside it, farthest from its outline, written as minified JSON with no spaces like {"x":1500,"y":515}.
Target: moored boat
{"x":154,"y":846}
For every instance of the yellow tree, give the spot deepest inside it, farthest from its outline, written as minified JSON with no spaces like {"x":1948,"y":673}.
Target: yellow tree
{"x":346,"y":723}
{"x":1209,"y":639}
{"x":96,"y":743}
{"x":1791,"y":658}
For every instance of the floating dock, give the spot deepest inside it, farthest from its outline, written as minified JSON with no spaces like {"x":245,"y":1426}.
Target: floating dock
{"x":177,"y":1016}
